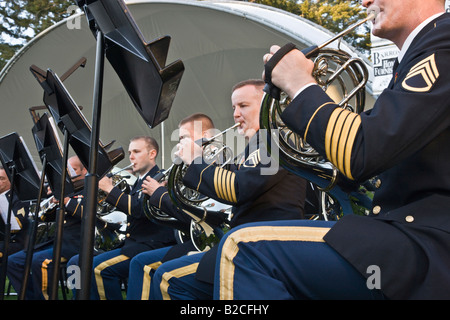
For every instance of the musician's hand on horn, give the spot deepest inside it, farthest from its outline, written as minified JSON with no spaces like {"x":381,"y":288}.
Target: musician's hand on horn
{"x":188,"y":150}
{"x":292,"y":72}
{"x":149,"y":185}
{"x":106,"y":184}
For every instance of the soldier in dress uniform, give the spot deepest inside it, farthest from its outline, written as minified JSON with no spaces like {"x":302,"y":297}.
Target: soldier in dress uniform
{"x":402,"y":249}
{"x":110,"y":267}
{"x":42,"y":264}
{"x":254,"y":187}
{"x":196,"y":127}
{"x":20,"y":212}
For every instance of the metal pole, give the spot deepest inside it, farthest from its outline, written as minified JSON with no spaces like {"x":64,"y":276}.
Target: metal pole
{"x":91,"y":179}
{"x":59,"y":222}
{"x":32,"y":236}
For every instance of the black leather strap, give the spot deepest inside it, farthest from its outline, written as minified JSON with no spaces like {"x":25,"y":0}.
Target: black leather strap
{"x":270,"y":88}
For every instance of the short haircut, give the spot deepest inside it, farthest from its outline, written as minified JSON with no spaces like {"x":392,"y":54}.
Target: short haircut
{"x":252,"y":82}
{"x":149,"y":141}
{"x":207,"y":122}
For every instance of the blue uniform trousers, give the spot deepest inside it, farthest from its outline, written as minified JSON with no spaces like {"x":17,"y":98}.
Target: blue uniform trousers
{"x":109,"y":270}
{"x":175,"y":280}
{"x":41,"y":273}
{"x":285,"y":260}
{"x":142,"y":268}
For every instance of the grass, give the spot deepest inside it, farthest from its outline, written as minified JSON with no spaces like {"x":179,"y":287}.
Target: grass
{"x":12,"y":294}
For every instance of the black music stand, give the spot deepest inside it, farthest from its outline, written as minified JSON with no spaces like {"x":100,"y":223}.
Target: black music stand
{"x":25,"y":182}
{"x":86,"y":145}
{"x":51,"y":155}
{"x":68,"y":117}
{"x":141,"y":67}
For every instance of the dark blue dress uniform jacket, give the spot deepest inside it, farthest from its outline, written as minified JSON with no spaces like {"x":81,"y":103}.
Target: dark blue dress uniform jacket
{"x":71,"y":236}
{"x":19,"y":238}
{"x":257,"y":188}
{"x":142,"y":234}
{"x":405,"y":140}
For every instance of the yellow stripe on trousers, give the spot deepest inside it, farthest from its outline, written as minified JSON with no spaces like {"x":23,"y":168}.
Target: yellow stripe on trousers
{"x":253,"y":234}
{"x":177,"y":273}
{"x":146,"y":281}
{"x":102,"y":266}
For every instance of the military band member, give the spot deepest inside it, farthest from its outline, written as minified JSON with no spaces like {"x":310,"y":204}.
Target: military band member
{"x":402,"y":249}
{"x":20,"y":212}
{"x":111,"y":267}
{"x":142,"y":266}
{"x":253,"y":195}
{"x":42,"y":264}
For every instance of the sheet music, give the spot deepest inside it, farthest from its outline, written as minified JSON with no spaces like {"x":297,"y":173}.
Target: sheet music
{"x":4,"y":204}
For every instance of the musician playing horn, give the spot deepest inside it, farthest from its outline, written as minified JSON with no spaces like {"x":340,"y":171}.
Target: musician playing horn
{"x":143,"y":266}
{"x":254,"y":196}
{"x":141,"y":233}
{"x":19,"y":213}
{"x":42,"y":264}
{"x":401,"y":250}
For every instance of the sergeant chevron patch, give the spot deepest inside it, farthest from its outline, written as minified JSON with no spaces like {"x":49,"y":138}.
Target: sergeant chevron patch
{"x":422,"y":76}
{"x":252,"y":160}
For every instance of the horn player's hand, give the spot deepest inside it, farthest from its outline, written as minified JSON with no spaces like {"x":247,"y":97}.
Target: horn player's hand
{"x":106,"y":184}
{"x":292,"y":72}
{"x":188,"y":150}
{"x":149,"y":185}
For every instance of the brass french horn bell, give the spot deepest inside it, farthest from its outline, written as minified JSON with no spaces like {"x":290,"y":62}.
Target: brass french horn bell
{"x":335,"y":71}
{"x":104,"y":208}
{"x":191,"y":202}
{"x":214,"y":151}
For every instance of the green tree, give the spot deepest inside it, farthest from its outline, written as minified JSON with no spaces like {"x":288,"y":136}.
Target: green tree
{"x":334,"y":15}
{"x":21,"y":20}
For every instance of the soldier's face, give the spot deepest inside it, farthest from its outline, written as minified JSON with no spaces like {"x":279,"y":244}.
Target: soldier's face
{"x":79,"y":169}
{"x":396,"y":19}
{"x":192,"y":130}
{"x":5,"y":185}
{"x":246,"y":102}
{"x":141,"y":157}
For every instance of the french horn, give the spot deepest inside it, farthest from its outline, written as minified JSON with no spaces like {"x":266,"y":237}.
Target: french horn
{"x":214,"y":151}
{"x":154,"y":213}
{"x":119,"y":181}
{"x":191,"y":202}
{"x":344,"y":78}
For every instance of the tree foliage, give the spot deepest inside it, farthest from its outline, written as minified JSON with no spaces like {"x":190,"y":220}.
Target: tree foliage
{"x":334,"y":15}
{"x":21,"y":20}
